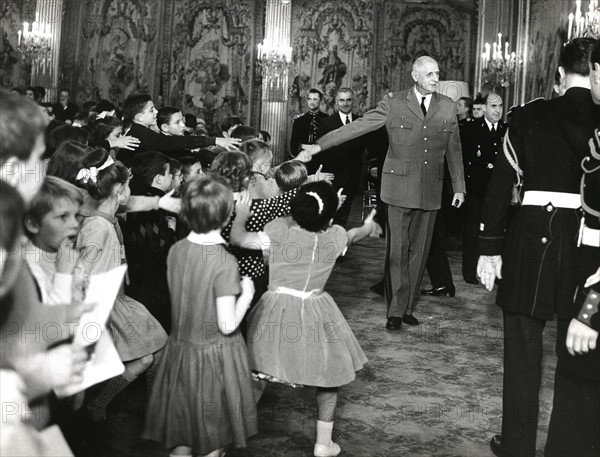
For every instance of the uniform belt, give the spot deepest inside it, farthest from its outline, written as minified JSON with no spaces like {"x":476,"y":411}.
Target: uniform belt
{"x":590,"y":237}
{"x":557,"y":199}
{"x":297,"y":293}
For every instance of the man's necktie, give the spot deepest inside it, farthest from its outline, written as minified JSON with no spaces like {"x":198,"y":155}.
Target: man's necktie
{"x":347,"y":119}
{"x":423,"y":108}
{"x":493,"y":129}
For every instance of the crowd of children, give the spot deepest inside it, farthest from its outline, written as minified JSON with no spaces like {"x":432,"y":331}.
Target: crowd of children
{"x":180,"y":318}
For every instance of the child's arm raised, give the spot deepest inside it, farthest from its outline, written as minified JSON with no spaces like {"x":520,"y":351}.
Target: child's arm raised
{"x":239,"y":235}
{"x":369,"y":228}
{"x":230,"y":311}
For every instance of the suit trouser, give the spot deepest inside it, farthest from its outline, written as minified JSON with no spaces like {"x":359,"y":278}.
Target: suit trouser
{"x":438,"y":266}
{"x":408,"y":239}
{"x":347,"y":176}
{"x":521,"y":385}
{"x":575,"y":422}
{"x":472,"y":211}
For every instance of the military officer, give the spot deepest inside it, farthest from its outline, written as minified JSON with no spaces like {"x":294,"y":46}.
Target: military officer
{"x":546,"y":142}
{"x":306,"y":127}
{"x":481,"y":143}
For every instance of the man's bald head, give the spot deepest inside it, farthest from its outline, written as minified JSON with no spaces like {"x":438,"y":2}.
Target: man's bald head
{"x":426,"y":74}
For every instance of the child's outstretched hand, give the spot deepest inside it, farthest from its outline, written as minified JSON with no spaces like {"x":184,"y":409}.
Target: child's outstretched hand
{"x":321,"y":175}
{"x":341,"y":197}
{"x":375,"y":229}
{"x":67,"y":257}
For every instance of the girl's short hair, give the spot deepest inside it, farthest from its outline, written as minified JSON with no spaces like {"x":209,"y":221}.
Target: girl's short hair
{"x":68,"y":159}
{"x":235,"y":167}
{"x":52,"y":189}
{"x":255,"y":149}
{"x":290,"y":174}
{"x":314,"y":206}
{"x":101,"y":129}
{"x":206,"y":203}
{"x":102,"y":187}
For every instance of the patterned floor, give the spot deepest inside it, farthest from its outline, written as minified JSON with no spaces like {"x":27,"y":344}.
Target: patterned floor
{"x":430,"y":390}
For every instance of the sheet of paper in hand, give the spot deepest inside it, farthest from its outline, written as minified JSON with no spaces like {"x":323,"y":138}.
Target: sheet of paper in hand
{"x":91,"y":332}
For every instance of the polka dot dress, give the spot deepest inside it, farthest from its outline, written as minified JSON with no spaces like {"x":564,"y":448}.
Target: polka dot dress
{"x":263,"y":211}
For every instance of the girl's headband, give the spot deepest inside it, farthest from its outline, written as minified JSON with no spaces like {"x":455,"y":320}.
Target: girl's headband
{"x":319,"y":200}
{"x":87,"y":174}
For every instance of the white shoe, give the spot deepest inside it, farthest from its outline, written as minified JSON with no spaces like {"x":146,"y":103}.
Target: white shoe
{"x":330,"y":450}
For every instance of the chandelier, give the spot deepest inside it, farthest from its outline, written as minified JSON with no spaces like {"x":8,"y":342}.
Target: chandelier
{"x":498,"y":66}
{"x":584,"y":25}
{"x":34,"y":44}
{"x":274,"y":59}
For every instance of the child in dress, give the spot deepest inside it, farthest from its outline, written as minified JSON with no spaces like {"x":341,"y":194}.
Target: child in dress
{"x":137,"y":335}
{"x":52,"y":222}
{"x":202,"y":399}
{"x":311,"y":343}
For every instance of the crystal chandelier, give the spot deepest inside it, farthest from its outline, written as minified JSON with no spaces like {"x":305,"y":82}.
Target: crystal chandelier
{"x":498,"y":66}
{"x":34,"y":44}
{"x":584,"y":25}
{"x":273,"y":58}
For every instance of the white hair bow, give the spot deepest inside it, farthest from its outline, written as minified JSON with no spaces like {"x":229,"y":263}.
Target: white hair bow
{"x":87,"y":174}
{"x":319,"y":200}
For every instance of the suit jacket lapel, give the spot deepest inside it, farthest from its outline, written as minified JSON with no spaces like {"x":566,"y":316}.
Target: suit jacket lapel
{"x":414,"y":104}
{"x":434,"y":106}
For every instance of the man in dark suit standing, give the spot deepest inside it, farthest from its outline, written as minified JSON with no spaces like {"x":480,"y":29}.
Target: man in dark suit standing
{"x":306,"y":127}
{"x":481,"y":143}
{"x":422,"y":129}
{"x":537,"y":256}
{"x":344,"y":161}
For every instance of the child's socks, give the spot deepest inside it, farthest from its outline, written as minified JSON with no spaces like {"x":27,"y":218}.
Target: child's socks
{"x":325,"y":447}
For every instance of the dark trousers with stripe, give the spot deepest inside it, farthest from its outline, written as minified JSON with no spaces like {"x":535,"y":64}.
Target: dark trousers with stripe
{"x":408,"y":239}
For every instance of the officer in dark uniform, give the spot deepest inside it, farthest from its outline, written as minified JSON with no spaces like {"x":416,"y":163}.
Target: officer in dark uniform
{"x":481,"y":142}
{"x":536,"y":257}
{"x":306,"y":127}
{"x":575,"y":421}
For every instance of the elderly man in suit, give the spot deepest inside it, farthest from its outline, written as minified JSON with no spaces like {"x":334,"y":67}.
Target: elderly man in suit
{"x":423,"y":129}
{"x":344,"y":161}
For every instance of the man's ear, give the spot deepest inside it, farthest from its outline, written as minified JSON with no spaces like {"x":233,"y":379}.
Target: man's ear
{"x":161,"y":127}
{"x":561,"y":72}
{"x":414,"y":75}
{"x":31,"y":225}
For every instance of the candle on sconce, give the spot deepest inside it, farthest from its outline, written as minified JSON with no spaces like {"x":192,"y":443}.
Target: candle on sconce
{"x":506,"y":53}
{"x":570,"y":29}
{"x":488,"y":51}
{"x":25,"y":29}
{"x":495,"y":51}
{"x":19,"y":39}
{"x":500,"y":42}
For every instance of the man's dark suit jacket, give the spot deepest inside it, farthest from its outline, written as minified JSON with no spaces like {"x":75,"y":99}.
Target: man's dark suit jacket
{"x":345,"y":160}
{"x":301,"y":131}
{"x":480,"y":149}
{"x":173,"y":146}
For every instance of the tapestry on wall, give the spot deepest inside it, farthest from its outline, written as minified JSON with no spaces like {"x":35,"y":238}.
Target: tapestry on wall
{"x":208,"y":70}
{"x":12,"y":16}
{"x":547,"y":34}
{"x":116,"y":55}
{"x":414,"y":30}
{"x":332,"y":43}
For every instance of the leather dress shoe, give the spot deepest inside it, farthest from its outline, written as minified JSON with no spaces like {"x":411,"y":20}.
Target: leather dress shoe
{"x":496,"y":445}
{"x":470,"y":280}
{"x":409,"y":319}
{"x":394,"y":323}
{"x":446,"y":291}
{"x":377,"y":288}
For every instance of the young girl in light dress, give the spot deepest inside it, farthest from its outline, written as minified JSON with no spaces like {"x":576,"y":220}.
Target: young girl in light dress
{"x":202,"y":400}
{"x":137,"y":335}
{"x":296,"y":333}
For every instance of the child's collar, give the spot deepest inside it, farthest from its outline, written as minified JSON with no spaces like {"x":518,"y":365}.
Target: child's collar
{"x":213,"y":237}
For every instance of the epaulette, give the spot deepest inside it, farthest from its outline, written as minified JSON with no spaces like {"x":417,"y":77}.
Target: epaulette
{"x":513,"y":108}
